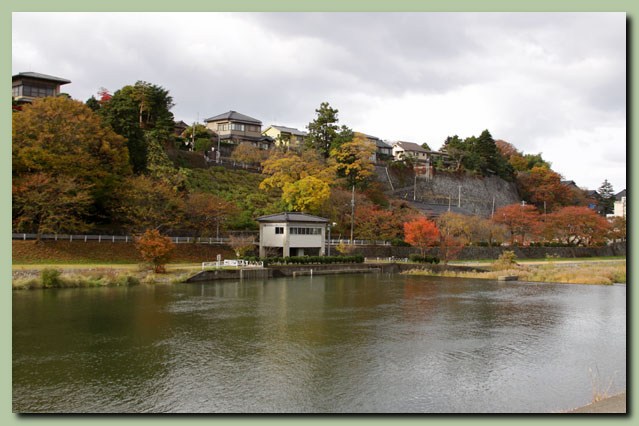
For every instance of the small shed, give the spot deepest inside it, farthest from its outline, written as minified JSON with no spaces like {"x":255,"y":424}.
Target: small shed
{"x":292,"y":234}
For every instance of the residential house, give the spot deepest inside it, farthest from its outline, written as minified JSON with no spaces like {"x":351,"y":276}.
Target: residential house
{"x":383,"y":151}
{"x":179,"y":127}
{"x":285,"y":137}
{"x":620,"y":204}
{"x":402,"y":150}
{"x":235,"y":128}
{"x":292,"y":234}
{"x":27,"y":86}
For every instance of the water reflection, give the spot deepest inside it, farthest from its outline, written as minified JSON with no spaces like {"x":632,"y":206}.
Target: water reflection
{"x":346,"y":343}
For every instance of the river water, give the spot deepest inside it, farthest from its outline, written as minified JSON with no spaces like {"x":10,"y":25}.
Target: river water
{"x":328,"y":344}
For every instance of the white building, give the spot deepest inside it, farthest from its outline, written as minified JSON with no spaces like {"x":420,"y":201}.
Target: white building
{"x":620,"y":204}
{"x":292,"y":234}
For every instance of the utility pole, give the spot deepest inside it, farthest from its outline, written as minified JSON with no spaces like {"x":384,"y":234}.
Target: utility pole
{"x":459,"y":197}
{"x":493,"y":211}
{"x":415,"y":187}
{"x":352,"y":213}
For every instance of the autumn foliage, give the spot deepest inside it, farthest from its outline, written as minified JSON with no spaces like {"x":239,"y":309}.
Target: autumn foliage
{"x":520,"y":220}
{"x":421,"y":233}
{"x":155,"y":249}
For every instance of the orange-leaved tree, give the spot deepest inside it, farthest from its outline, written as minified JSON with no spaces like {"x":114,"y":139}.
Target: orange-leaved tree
{"x":577,"y":226}
{"x":155,"y":249}
{"x":421,"y":233}
{"x":520,"y":220}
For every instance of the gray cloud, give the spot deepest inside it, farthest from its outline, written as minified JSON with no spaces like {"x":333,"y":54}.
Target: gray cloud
{"x":533,"y":79}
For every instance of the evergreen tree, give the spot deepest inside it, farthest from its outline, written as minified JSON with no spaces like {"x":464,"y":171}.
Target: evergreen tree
{"x":606,"y":197}
{"x":134,"y":110}
{"x":324,"y":133}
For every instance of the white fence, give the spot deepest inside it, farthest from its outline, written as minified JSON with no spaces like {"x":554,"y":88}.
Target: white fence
{"x":176,"y":240}
{"x":237,"y":263}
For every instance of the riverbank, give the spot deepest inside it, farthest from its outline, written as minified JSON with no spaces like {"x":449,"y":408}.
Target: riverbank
{"x":603,"y":272}
{"x":612,"y":405}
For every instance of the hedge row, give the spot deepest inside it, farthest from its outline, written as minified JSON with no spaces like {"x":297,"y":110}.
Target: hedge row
{"x":307,"y":260}
{"x":423,"y":259}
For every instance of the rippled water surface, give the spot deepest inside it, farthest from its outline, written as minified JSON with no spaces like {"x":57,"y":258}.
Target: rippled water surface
{"x":346,"y":343}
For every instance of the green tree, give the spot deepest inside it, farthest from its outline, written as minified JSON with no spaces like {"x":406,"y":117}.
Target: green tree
{"x":43,"y":203}
{"x":324,"y":133}
{"x":606,"y":197}
{"x":132,"y":111}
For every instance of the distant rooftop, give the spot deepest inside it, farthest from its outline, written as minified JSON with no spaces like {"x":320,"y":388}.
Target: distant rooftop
{"x":410,"y":146}
{"x":292,"y":217}
{"x":290,"y":130}
{"x":234,"y":116}
{"x":39,"y":76}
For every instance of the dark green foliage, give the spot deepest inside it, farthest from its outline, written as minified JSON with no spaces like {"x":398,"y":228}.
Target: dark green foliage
{"x":606,"y":197}
{"x":423,"y":259}
{"x":132,"y":111}
{"x":479,"y":155}
{"x":93,"y":103}
{"x":324,"y":134}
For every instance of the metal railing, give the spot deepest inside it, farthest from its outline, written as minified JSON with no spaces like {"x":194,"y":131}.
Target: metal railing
{"x":176,"y":240}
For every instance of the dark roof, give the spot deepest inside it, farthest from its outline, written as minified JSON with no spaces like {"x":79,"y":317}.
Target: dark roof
{"x":39,"y":76}
{"x":621,"y":194}
{"x":292,"y":217}
{"x":234,"y":116}
{"x":290,"y":130}
{"x":381,"y":144}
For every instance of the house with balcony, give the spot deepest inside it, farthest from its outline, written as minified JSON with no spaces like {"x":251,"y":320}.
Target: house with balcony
{"x":235,"y":128}
{"x":383,"y":151}
{"x":286,"y":137}
{"x":292,"y":234}
{"x":27,"y":86}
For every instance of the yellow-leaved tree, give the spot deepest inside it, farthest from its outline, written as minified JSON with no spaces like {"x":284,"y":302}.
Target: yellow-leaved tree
{"x":353,"y":160}
{"x":304,"y":179}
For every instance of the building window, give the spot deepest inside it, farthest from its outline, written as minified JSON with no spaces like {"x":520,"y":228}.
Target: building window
{"x":223,"y":126}
{"x":279,"y":230}
{"x":306,"y":231}
{"x":237,"y":126}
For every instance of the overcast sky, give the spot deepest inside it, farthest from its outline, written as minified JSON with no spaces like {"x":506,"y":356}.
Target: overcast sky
{"x":553,"y":83}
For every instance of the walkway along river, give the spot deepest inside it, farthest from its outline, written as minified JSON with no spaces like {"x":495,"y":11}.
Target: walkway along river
{"x":325,"y":344}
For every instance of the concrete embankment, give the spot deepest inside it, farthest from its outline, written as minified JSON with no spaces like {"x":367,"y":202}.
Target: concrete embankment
{"x":306,"y":270}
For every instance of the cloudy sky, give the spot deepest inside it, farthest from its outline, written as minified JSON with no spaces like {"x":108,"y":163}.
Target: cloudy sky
{"x":553,"y":83}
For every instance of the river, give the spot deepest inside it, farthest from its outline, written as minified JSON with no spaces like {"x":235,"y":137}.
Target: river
{"x":326,"y":344}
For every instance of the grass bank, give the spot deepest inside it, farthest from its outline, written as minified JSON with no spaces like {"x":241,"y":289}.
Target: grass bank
{"x":83,"y":276}
{"x":567,"y":272}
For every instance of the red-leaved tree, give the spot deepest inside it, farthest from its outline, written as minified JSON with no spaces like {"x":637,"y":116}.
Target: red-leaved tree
{"x":577,"y":226}
{"x":421,"y":233}
{"x":520,"y":220}
{"x":155,"y":249}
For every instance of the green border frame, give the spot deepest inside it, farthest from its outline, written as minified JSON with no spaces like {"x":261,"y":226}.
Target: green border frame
{"x":631,"y":7}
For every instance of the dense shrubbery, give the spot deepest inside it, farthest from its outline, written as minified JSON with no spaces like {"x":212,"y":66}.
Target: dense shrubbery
{"x":307,"y":260}
{"x":423,"y":259}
